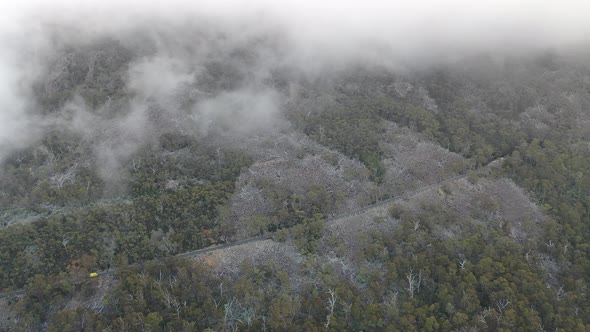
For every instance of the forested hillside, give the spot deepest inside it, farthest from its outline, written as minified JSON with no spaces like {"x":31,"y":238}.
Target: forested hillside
{"x":148,"y":145}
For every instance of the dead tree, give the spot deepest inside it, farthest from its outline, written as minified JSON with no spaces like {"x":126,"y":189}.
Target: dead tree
{"x":65,"y":240}
{"x":462,"y":264}
{"x":414,"y":281}
{"x":330,"y":304}
{"x":502,"y":304}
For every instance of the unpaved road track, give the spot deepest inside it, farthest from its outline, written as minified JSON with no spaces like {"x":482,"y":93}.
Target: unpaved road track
{"x":202,"y":251}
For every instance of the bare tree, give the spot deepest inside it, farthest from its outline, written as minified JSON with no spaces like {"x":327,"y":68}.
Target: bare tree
{"x":228,"y":314}
{"x":136,"y":165}
{"x":330,"y":304}
{"x":65,"y":240}
{"x":216,"y":302}
{"x":392,"y":300}
{"x":347,"y":310}
{"x":462,"y":264}
{"x":248,"y":315}
{"x":416,"y":225}
{"x":502,"y":304}
{"x":59,"y":180}
{"x":414,"y":281}
{"x":485,"y":313}
{"x":560,"y":293}
{"x":235,"y":313}
{"x":168,"y":298}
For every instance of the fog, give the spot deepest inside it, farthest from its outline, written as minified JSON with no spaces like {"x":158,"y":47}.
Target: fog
{"x":174,"y":39}
{"x":406,"y":27}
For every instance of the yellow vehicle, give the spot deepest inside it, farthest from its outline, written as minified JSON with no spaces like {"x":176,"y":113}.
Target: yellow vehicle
{"x":93,"y":275}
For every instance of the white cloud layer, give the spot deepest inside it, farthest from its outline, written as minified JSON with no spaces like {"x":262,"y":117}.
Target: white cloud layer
{"x":414,"y":23}
{"x":322,"y":31}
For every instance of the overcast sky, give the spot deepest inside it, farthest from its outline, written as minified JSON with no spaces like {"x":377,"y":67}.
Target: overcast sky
{"x":412,"y":24}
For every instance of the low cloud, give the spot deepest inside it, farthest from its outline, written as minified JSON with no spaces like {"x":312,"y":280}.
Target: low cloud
{"x":179,"y":50}
{"x":242,"y":111}
{"x":159,"y":78}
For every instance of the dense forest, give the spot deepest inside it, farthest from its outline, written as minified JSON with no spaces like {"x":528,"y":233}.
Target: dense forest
{"x":123,"y":181}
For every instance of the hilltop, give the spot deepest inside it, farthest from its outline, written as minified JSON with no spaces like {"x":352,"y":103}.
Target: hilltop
{"x":147,"y":146}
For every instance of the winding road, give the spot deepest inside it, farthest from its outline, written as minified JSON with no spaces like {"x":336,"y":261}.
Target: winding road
{"x":381,"y":203}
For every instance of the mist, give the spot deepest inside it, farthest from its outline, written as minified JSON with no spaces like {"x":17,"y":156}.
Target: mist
{"x":406,"y":28}
{"x":171,"y":44}
{"x":333,"y":29}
